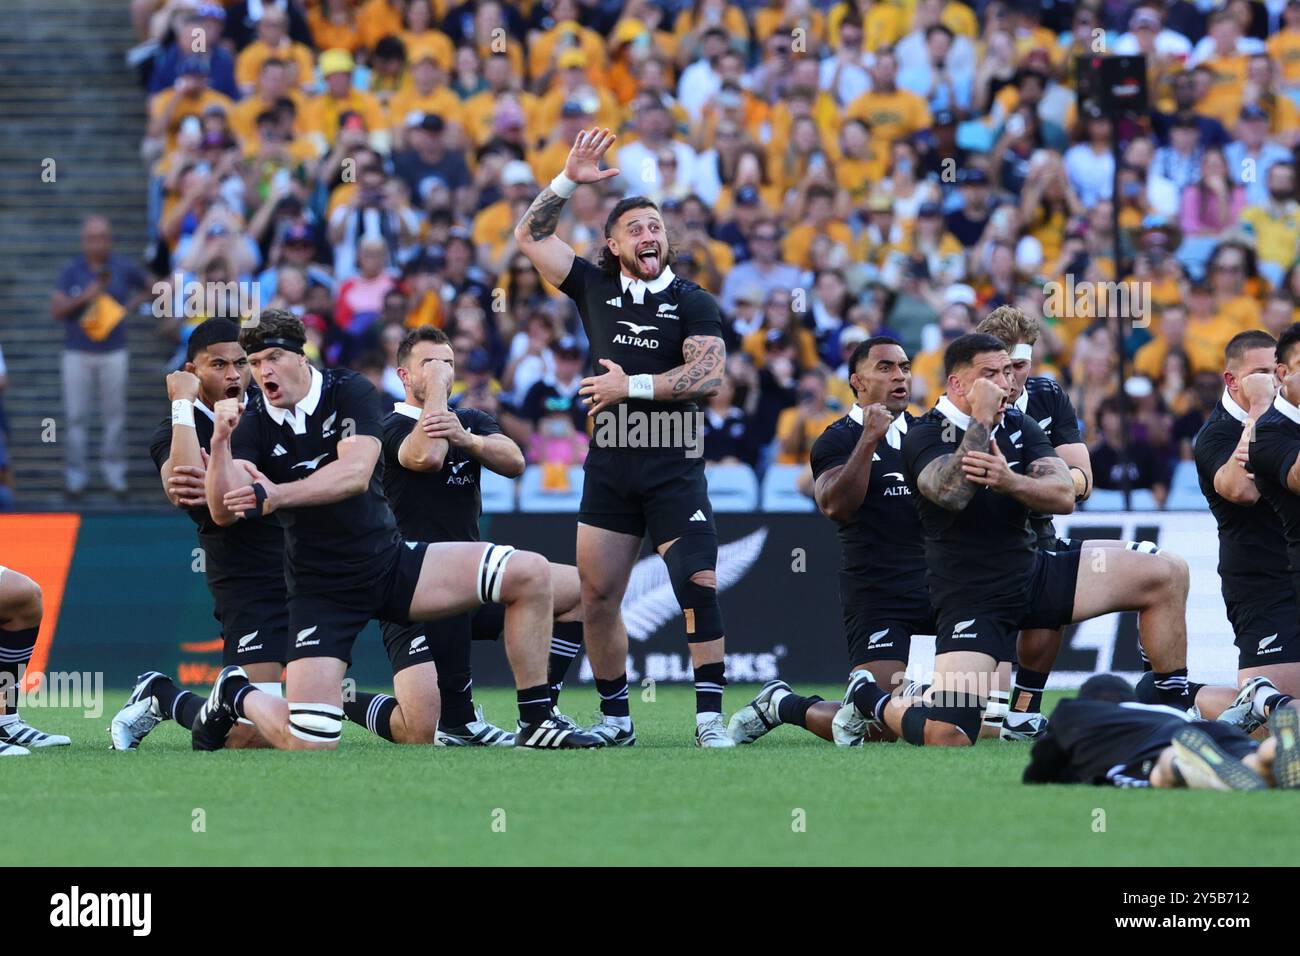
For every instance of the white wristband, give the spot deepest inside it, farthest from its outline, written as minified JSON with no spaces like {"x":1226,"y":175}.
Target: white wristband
{"x":641,"y":386}
{"x":183,"y":412}
{"x":563,"y":186}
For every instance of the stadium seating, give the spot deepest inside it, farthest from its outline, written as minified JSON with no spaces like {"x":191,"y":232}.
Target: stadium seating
{"x":533,"y":497}
{"x":732,"y":488}
{"x":780,"y":492}
{"x":498,"y":492}
{"x":1185,"y":489}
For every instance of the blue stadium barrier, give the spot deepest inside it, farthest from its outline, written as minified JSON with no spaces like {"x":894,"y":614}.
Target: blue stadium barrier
{"x":732,"y":487}
{"x":780,"y":493}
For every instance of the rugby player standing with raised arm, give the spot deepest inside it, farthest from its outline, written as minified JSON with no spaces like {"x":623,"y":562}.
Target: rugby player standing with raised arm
{"x":658,"y":339}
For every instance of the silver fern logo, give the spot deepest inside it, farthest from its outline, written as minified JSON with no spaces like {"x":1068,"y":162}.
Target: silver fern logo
{"x":649,"y":602}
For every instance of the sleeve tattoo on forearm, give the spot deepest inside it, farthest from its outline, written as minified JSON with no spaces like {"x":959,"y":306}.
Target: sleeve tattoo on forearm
{"x":701,"y":373}
{"x":944,"y":482}
{"x":543,"y":215}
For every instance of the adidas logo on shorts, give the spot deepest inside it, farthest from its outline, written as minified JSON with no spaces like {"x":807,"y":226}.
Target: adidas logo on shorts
{"x":699,"y":516}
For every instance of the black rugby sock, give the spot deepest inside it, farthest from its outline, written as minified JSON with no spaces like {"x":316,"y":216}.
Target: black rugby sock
{"x":566,"y":642}
{"x":1027,"y":695}
{"x":793,"y":709}
{"x":186,"y":708}
{"x":710,"y":681}
{"x":1171,"y":688}
{"x":455,"y":683}
{"x":534,"y":704}
{"x":613,"y":696}
{"x":373,"y":712}
{"x":16,"y":649}
{"x":867,"y":698}
{"x":233,"y":691}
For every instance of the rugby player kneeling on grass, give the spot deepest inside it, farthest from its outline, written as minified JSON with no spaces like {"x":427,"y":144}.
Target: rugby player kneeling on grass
{"x":978,"y":468}
{"x":20,"y":619}
{"x":308,"y":448}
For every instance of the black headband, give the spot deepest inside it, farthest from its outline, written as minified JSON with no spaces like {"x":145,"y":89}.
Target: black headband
{"x":288,"y":345}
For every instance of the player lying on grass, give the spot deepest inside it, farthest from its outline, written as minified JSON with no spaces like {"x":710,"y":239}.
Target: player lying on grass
{"x":980,"y":468}
{"x":433,"y":459}
{"x":243,"y":563}
{"x":309,"y":448}
{"x":20,"y":620}
{"x":1105,"y":737}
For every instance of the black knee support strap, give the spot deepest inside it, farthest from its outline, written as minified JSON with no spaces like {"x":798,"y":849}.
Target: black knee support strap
{"x":689,"y":555}
{"x":963,"y":711}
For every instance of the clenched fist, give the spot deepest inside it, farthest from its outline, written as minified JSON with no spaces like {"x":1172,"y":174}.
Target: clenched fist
{"x":986,"y":400}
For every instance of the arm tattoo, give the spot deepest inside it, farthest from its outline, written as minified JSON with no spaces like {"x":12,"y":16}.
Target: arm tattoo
{"x":1051,"y":468}
{"x":543,"y":214}
{"x":943,"y":481}
{"x":700,"y":375}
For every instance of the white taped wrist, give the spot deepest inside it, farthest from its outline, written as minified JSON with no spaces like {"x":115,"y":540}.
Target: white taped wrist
{"x":641,"y":386}
{"x":183,"y":412}
{"x":563,"y":186}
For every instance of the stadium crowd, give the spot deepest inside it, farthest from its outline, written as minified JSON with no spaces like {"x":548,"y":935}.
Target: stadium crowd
{"x":830,"y":171}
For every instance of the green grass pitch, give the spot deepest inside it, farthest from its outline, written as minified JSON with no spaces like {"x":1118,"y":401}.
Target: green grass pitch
{"x":790,"y":799}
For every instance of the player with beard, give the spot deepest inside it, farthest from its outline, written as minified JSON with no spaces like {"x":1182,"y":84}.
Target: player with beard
{"x":243,"y":564}
{"x":858,"y":467}
{"x":21,"y":610}
{"x":1106,"y":738}
{"x":1043,"y":400}
{"x":978,"y":468}
{"x":1257,"y":589}
{"x":308,"y":448}
{"x":433,"y":459}
{"x":658,"y":339}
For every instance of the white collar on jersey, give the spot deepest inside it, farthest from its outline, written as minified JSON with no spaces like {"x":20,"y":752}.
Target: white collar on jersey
{"x":948,"y":410}
{"x":1022,"y":400}
{"x":409,"y":410}
{"x":639,"y":288}
{"x":1286,"y":408}
{"x":897,"y":428}
{"x":1233,"y":409}
{"x":297,"y":415}
{"x":951,"y":412}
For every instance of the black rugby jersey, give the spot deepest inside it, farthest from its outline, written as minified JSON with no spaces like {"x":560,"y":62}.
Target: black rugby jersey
{"x":1273,"y":451}
{"x":640,"y":326}
{"x":349,"y":542}
{"x":882,"y":558}
{"x":441,"y":505}
{"x":1086,"y":739}
{"x":1045,"y":402}
{"x":1252,"y":548}
{"x":988,"y":547}
{"x":246,"y":554}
